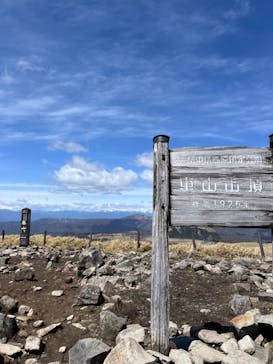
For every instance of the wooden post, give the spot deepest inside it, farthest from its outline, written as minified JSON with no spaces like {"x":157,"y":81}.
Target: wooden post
{"x":271,"y":146}
{"x":3,"y":235}
{"x":45,"y":233}
{"x":138,"y":239}
{"x":160,"y":310}
{"x":90,"y":239}
{"x":261,"y":245}
{"x":25,"y":227}
{"x":193,"y":242}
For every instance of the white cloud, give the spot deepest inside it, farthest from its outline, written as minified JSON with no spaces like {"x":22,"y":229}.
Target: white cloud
{"x":241,"y":8}
{"x":69,"y":147}
{"x":147,"y":175}
{"x":29,"y":64}
{"x":80,"y":175}
{"x":145,"y":160}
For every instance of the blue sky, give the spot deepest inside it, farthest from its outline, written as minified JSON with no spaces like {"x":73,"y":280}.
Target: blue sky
{"x":85,"y":86}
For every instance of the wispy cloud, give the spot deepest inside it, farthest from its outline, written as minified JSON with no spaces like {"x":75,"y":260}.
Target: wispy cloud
{"x":68,"y":147}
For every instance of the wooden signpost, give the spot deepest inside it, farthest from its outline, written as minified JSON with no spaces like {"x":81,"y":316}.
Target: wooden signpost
{"x":215,"y":186}
{"x":25,"y":227}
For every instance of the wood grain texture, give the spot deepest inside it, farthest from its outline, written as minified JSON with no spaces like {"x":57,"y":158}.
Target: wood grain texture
{"x":221,"y":187}
{"x":160,"y":260}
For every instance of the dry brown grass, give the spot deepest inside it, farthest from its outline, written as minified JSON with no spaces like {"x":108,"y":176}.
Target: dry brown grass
{"x":123,"y":244}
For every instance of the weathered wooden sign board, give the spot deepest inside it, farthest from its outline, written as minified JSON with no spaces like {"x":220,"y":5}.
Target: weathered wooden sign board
{"x":231,"y":186}
{"x":221,"y":186}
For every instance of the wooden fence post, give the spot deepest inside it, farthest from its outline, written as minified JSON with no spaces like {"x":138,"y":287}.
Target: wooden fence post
{"x":193,"y":242}
{"x":3,"y":235}
{"x":160,"y":310}
{"x":45,"y":233}
{"x":261,"y":245}
{"x":90,"y":240}
{"x":138,"y":239}
{"x":271,"y":146}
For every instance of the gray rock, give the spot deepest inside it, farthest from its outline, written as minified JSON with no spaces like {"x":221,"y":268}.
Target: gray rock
{"x":224,"y":265}
{"x":245,"y":261}
{"x":180,"y":356}
{"x":265,"y":296}
{"x":31,"y":361}
{"x":230,"y":346}
{"x":247,"y":345}
{"x":264,"y":354}
{"x":211,"y":337}
{"x":57,"y":293}
{"x":160,"y":357}
{"x":240,"y":357}
{"x":91,"y":257}
{"x":182,"y":265}
{"x":88,"y":351}
{"x":25,"y":274}
{"x":135,"y":331}
{"x":110,"y":325}
{"x":10,"y":350}
{"x":240,"y":304}
{"x":8,"y":304}
{"x":208,"y":354}
{"x":198,"y":266}
{"x":8,"y":326}
{"x":48,"y":329}
{"x":90,"y":295}
{"x":23,"y":309}
{"x":239,"y":272}
{"x":128,"y":351}
{"x":33,"y":344}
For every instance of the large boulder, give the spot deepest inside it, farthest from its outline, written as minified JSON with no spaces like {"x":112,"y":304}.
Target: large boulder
{"x":88,"y":351}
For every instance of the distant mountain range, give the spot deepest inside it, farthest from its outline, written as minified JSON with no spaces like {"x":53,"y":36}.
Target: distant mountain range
{"x":73,"y":223}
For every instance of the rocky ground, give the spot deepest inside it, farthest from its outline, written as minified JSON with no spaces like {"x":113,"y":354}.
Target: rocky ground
{"x":51,"y":299}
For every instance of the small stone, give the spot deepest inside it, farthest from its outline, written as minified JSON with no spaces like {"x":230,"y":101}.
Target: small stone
{"x":38,"y":323}
{"x":33,"y":344}
{"x":240,"y":357}
{"x":247,"y":345}
{"x":265,"y":296}
{"x":207,"y":353}
{"x":10,"y":350}
{"x":240,"y":304}
{"x":162,"y":358}
{"x":211,"y":337}
{"x":128,"y":351}
{"x":8,"y":304}
{"x":70,"y":318}
{"x":90,"y":295}
{"x":173,"y":329}
{"x":135,"y":331}
{"x":180,"y":356}
{"x":31,"y":361}
{"x":110,"y":325}
{"x":230,"y":346}
{"x":8,"y":326}
{"x":62,"y":349}
{"x":48,"y":329}
{"x":78,"y":326}
{"x":88,"y":350}
{"x":57,"y":293}
{"x":37,"y":289}
{"x":25,"y":274}
{"x":23,"y":310}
